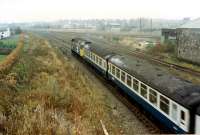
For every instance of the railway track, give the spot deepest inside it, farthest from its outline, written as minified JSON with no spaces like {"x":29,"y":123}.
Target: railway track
{"x":121,"y":50}
{"x":163,"y":63}
{"x":133,"y":107}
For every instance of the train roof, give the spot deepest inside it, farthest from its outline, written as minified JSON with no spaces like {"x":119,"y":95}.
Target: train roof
{"x":179,"y":90}
{"x":102,"y":52}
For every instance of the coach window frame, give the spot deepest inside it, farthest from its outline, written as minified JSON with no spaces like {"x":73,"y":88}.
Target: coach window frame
{"x":113,"y":69}
{"x":164,"y":102}
{"x":135,"y":85}
{"x":123,"y":76}
{"x":118,"y":73}
{"x":143,"y":90}
{"x":153,"y":97}
{"x":100,"y":62}
{"x":96,"y":59}
{"x":129,"y":80}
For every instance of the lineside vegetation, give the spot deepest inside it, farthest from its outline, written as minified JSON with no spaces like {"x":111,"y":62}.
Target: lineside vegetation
{"x":44,"y":93}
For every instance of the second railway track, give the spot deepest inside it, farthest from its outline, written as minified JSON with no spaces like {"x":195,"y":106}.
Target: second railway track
{"x":139,"y":54}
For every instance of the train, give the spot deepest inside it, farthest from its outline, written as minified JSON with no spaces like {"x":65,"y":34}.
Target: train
{"x":173,"y":102}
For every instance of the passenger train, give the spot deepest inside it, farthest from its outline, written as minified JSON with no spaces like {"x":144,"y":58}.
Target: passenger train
{"x":174,"y":102}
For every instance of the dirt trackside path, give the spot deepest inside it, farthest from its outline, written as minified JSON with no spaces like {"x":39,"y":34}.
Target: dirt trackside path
{"x":46,"y":93}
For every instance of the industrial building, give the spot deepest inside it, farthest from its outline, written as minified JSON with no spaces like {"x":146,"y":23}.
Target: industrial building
{"x":168,"y":34}
{"x":186,"y":39}
{"x":188,"y":44}
{"x":5,"y":33}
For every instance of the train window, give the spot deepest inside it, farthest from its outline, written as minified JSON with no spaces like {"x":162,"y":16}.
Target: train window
{"x":164,"y":104}
{"x":143,"y":90}
{"x":135,"y":84}
{"x":109,"y":68}
{"x":100,"y":61}
{"x":153,"y":97}
{"x":123,"y":76}
{"x":174,"y":112}
{"x":113,"y":70}
{"x":104,"y":64}
{"x":97,"y":59}
{"x":118,"y":73}
{"x":129,"y":81}
{"x":93,"y":57}
{"x":182,"y":115}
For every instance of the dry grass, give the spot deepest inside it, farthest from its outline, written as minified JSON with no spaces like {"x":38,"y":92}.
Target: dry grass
{"x":45,"y":94}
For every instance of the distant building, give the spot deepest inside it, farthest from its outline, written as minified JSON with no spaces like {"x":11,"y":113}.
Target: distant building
{"x":5,"y":33}
{"x":114,"y":27}
{"x":168,"y":34}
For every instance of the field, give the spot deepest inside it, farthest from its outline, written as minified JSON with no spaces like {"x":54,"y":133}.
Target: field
{"x":48,"y":93}
{"x":9,"y":42}
{"x":7,"y":45}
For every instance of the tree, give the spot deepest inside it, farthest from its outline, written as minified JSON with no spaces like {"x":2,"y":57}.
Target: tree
{"x":18,"y":30}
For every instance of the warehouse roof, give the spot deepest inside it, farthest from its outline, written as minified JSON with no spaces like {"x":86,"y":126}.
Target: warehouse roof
{"x":192,"y":24}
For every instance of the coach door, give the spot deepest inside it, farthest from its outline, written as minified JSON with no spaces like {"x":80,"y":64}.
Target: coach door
{"x":174,"y":112}
{"x":184,"y":118}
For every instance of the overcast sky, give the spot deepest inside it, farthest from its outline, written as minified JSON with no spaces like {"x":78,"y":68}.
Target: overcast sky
{"x":48,"y":10}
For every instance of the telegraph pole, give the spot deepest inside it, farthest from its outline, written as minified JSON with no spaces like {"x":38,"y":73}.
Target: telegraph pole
{"x":151,"y":25}
{"x":140,"y":24}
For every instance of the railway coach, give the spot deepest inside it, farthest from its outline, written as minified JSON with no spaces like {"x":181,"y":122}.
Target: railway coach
{"x":174,"y":102}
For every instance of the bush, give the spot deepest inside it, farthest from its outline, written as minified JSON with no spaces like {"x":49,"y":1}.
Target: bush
{"x":115,"y":39}
{"x":18,"y":30}
{"x":167,"y":48}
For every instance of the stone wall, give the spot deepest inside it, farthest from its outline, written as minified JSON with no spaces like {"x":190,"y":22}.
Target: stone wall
{"x":188,"y":45}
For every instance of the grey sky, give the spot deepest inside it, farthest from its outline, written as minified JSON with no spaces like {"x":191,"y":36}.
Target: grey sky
{"x":37,"y":10}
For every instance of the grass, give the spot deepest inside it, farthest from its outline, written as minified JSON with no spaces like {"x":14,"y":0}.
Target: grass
{"x":45,"y":94}
{"x":2,"y":57}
